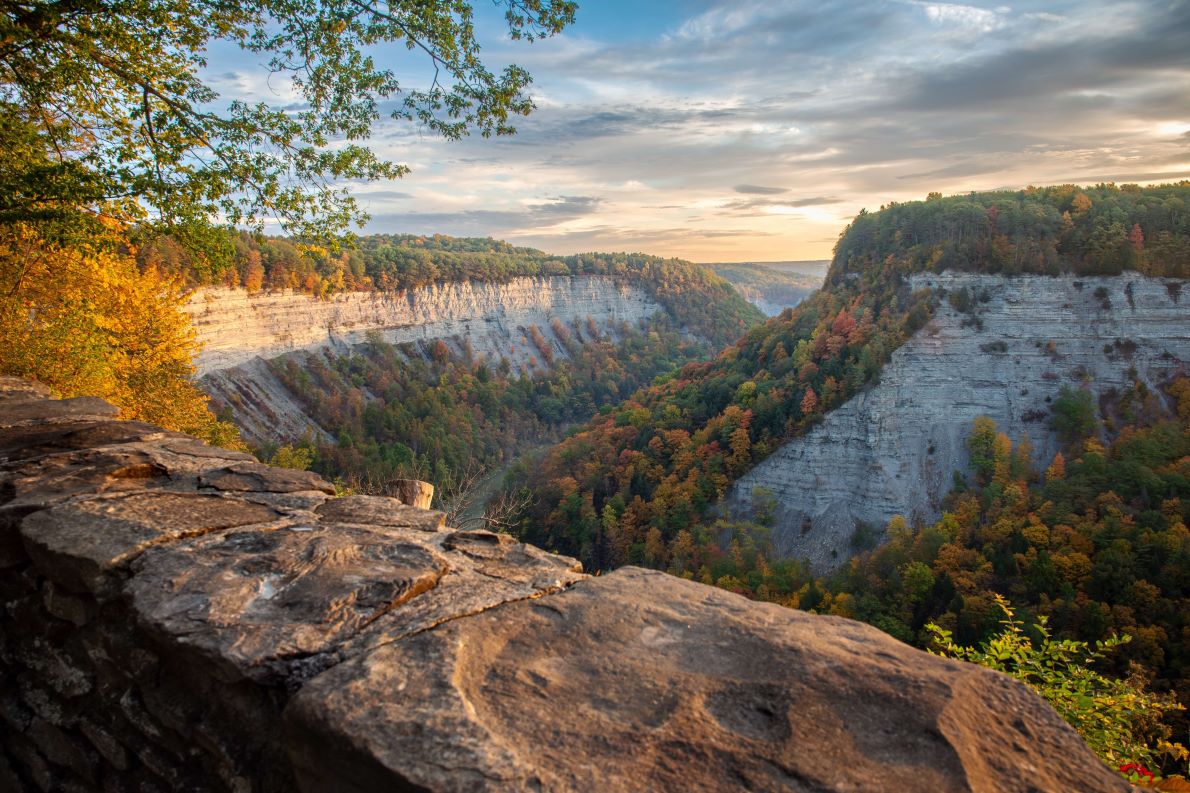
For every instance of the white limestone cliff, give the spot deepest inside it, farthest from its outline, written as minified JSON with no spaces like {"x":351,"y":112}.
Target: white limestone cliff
{"x":234,"y":326}
{"x":893,"y":449}
{"x":239,"y":331}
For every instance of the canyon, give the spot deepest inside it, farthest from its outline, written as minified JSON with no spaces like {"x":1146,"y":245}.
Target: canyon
{"x":773,"y":286}
{"x":181,"y":617}
{"x":239,"y":332}
{"x":894,"y":449}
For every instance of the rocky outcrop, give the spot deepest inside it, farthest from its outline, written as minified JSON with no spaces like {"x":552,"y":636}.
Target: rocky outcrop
{"x":641,"y":681}
{"x":163,"y":598}
{"x":238,"y":331}
{"x":179,"y":617}
{"x":894,"y":449}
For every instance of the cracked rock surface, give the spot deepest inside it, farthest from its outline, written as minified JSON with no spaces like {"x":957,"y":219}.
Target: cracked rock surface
{"x":641,"y":681}
{"x":179,"y":617}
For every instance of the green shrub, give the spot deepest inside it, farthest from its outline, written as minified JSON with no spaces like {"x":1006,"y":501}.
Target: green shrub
{"x":1119,"y":719}
{"x":1073,"y":414}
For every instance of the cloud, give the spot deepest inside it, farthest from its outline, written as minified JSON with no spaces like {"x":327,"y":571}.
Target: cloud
{"x":629,"y":238}
{"x":540,"y":215}
{"x":1107,"y":62}
{"x":777,"y":203}
{"x":970,"y":18}
{"x":758,"y":190}
{"x":958,"y":169}
{"x":368,"y":194}
{"x":751,"y":129}
{"x":563,"y":207}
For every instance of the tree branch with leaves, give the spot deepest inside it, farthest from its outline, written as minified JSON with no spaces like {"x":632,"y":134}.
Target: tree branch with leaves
{"x":108,"y":103}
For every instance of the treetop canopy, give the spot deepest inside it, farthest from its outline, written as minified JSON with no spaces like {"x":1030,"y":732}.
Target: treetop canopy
{"x":103,"y":107}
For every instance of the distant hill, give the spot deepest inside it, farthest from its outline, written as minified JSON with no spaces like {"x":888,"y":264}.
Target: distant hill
{"x":773,"y":286}
{"x":811,"y":267}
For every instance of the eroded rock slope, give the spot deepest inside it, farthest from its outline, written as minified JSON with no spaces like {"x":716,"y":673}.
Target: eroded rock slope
{"x":238,"y":332}
{"x":893,"y":449}
{"x":180,"y":617}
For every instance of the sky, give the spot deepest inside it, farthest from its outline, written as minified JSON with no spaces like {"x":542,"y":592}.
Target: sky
{"x":748,"y":130}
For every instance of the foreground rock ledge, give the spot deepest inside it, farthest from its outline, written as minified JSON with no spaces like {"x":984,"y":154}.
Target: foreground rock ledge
{"x":177,"y":617}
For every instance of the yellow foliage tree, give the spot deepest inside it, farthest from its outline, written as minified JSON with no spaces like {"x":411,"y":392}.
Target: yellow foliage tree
{"x":1057,"y":469}
{"x":1002,"y":459}
{"x":741,"y":450}
{"x":86,"y":321}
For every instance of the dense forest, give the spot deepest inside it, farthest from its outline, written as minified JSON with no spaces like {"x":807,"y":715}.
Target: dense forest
{"x":624,"y":487}
{"x":440,"y":417}
{"x":1090,"y":231}
{"x":380,"y":261}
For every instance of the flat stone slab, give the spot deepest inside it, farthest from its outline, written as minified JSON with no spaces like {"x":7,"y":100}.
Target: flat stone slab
{"x":37,"y":440}
{"x":259,"y":478}
{"x":78,"y":544}
{"x":54,"y":478}
{"x":130,"y":464}
{"x":20,"y":388}
{"x":381,"y":511}
{"x":279,"y":604}
{"x":14,"y":412}
{"x":262,"y":602}
{"x":640,"y":681}
{"x":486,"y":570}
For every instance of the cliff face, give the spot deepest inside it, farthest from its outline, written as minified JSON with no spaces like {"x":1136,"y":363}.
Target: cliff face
{"x":235,"y":327}
{"x":181,"y":617}
{"x":893,"y":449}
{"x":239,"y":331}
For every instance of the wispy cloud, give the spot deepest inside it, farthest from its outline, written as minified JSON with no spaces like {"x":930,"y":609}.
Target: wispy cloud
{"x":752,"y":189}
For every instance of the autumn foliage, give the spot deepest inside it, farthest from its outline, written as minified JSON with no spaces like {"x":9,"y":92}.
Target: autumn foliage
{"x":85,"y":320}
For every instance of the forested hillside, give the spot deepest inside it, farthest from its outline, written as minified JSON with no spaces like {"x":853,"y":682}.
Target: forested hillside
{"x":435,"y":411}
{"x":1088,"y":231}
{"x":445,"y":418}
{"x":1097,"y":542}
{"x":380,"y":261}
{"x":636,"y":484}
{"x":705,"y":302}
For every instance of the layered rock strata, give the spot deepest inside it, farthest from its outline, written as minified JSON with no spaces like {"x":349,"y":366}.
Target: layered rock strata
{"x":237,"y":332}
{"x":179,"y":617}
{"x":894,"y":449}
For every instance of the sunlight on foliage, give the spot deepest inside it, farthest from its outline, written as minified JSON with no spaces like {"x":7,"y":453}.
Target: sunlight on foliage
{"x":299,"y":458}
{"x":1118,"y":719}
{"x":112,"y":108}
{"x":86,"y":321}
